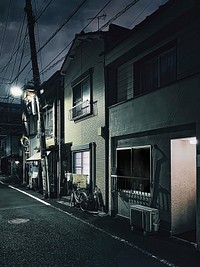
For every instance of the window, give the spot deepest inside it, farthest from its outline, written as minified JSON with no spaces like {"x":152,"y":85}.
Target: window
{"x":82,"y":100}
{"x":125,"y":82}
{"x":48,"y":122}
{"x":32,"y":122}
{"x":81,"y":163}
{"x":133,"y":169}
{"x":155,"y":70}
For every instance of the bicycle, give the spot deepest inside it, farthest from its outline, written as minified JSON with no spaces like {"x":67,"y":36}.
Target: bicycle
{"x":90,"y":202}
{"x":77,"y":195}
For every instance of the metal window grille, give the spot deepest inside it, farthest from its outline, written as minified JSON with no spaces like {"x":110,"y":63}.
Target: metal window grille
{"x":80,"y":110}
{"x":129,"y":186}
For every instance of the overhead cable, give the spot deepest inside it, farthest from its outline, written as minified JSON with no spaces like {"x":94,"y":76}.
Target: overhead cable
{"x":5,"y":28}
{"x":53,"y":35}
{"x":119,"y":14}
{"x":48,"y":67}
{"x":62,"y":25}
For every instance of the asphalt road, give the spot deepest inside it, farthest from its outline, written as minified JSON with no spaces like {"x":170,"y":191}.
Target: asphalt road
{"x":33,"y":233}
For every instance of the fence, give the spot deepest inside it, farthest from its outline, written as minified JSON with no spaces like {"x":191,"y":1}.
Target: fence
{"x":135,"y":189}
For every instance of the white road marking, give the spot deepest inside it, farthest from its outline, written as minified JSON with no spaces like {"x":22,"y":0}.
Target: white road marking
{"x":145,"y":252}
{"x":36,"y":198}
{"x":167,"y":263}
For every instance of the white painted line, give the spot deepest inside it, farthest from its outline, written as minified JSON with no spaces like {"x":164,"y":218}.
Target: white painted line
{"x":1,"y":182}
{"x":145,"y":252}
{"x":163,"y":261}
{"x":36,"y":198}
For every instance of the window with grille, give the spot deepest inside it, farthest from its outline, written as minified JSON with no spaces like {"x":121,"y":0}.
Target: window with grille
{"x":125,"y":82}
{"x":81,"y":99}
{"x":155,"y":70}
{"x":134,"y":169}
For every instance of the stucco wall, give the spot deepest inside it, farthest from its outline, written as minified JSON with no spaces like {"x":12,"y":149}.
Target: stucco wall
{"x":86,"y":131}
{"x":183,"y":186}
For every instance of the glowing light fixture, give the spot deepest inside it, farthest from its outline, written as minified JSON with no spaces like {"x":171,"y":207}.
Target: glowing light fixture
{"x":16,"y":91}
{"x":193,"y":141}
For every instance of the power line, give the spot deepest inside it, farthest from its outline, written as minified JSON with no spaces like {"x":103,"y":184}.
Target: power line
{"x":119,"y":14}
{"x":22,"y":42}
{"x":63,"y":24}
{"x":19,"y":45}
{"x":19,"y":35}
{"x":5,"y":28}
{"x":44,"y":9}
{"x":6,"y":67}
{"x":62,"y":58}
{"x":48,"y":67}
{"x":53,"y":35}
{"x":140,"y":14}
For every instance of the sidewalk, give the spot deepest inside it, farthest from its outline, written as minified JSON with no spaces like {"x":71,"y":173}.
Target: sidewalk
{"x":170,"y":251}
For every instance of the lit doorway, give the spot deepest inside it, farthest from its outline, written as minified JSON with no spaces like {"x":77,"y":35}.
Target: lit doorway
{"x":183,"y":188}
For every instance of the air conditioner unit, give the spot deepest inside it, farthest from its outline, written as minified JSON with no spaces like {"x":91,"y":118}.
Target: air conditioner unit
{"x":144,"y":218}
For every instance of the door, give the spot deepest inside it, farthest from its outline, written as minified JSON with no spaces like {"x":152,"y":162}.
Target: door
{"x":183,"y":185}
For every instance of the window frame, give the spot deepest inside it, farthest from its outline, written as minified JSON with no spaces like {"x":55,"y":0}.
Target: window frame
{"x":131,"y":177}
{"x":49,"y":122}
{"x":139,"y":86}
{"x":74,"y":168}
{"x":83,"y":107}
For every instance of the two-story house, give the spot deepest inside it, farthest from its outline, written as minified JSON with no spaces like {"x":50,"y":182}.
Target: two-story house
{"x":53,"y":108}
{"x":51,"y":102}
{"x":85,"y":106}
{"x":154,"y":118}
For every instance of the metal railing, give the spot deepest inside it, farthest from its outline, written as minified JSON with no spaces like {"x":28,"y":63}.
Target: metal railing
{"x":136,"y":189}
{"x":80,"y":110}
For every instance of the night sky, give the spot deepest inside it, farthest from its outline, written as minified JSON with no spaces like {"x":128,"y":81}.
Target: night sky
{"x":57,"y":22}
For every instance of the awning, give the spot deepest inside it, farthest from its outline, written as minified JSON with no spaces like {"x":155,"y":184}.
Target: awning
{"x":36,"y":156}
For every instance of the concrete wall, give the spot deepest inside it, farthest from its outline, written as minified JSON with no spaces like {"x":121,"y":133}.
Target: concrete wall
{"x":168,"y":113}
{"x":173,"y":105}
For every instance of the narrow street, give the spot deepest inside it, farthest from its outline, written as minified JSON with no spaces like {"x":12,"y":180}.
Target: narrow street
{"x":36,"y":234}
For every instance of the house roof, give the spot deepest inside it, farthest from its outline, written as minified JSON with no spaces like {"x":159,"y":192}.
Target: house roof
{"x":165,"y":20}
{"x":113,"y":34}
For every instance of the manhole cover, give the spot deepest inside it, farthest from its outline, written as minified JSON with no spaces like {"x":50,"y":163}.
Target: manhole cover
{"x":18,"y":221}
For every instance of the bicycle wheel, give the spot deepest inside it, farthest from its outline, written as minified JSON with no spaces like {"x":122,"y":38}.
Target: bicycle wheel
{"x":83,"y":201}
{"x":91,"y":203}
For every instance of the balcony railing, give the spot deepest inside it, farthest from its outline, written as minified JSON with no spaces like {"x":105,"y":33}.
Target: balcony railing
{"x":80,"y":110}
{"x":136,"y":189}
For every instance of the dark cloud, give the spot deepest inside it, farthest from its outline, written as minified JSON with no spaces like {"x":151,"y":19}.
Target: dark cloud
{"x":55,"y":15}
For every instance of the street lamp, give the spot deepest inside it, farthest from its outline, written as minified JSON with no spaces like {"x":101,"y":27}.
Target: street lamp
{"x":16,"y":91}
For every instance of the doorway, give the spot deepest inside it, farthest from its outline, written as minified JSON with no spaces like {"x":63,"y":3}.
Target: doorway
{"x":183,"y":188}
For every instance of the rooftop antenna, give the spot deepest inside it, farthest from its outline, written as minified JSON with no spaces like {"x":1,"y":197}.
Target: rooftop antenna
{"x":103,"y":16}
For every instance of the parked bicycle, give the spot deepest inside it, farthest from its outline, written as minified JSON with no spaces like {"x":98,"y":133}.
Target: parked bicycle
{"x":90,"y":202}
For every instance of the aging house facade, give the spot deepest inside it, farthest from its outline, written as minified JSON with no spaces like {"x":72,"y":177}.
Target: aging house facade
{"x":154,"y":118}
{"x":85,"y":107}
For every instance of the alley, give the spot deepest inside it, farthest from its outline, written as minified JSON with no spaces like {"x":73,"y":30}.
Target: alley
{"x":36,"y":234}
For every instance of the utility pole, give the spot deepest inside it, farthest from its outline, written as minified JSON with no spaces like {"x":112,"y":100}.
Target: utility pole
{"x":37,"y":87}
